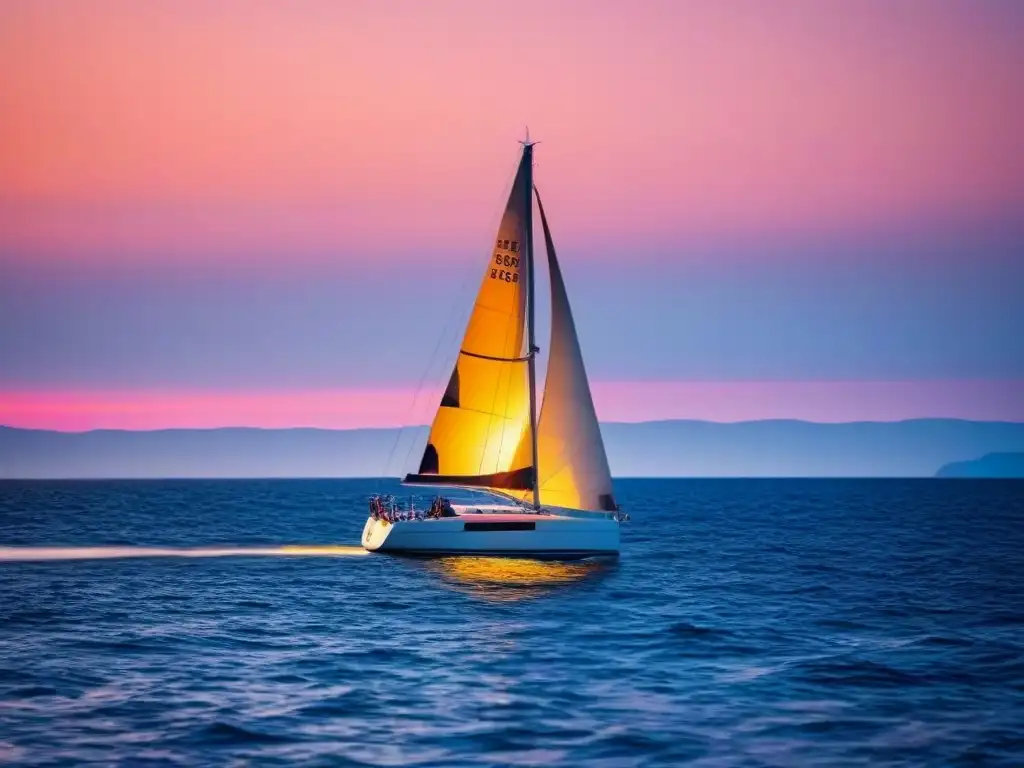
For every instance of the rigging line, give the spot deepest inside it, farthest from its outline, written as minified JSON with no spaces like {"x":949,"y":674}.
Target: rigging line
{"x":566,"y":463}
{"x":479,"y":411}
{"x":500,"y":494}
{"x":504,"y":424}
{"x":580,"y":446}
{"x":528,"y":425}
{"x":573,"y":454}
{"x":492,"y":413}
{"x":508,"y":392}
{"x":514,"y":315}
{"x":453,"y":314}
{"x":494,"y":400}
{"x":510,"y":369}
{"x":496,"y":310}
{"x":446,"y":329}
{"x":419,"y":387}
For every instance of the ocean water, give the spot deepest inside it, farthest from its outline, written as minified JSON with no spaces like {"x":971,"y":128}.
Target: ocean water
{"x":747,"y":623}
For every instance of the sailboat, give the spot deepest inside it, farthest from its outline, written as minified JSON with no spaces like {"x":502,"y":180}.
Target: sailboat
{"x":549,"y":472}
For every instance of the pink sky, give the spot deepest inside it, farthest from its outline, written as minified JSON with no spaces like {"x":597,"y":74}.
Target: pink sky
{"x":189,"y":127}
{"x":625,"y":401}
{"x":285,"y":161}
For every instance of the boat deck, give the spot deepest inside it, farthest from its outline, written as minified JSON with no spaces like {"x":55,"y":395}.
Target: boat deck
{"x":497,"y":515}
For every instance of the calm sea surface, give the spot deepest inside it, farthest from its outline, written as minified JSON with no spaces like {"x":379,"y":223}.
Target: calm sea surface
{"x":747,"y":623}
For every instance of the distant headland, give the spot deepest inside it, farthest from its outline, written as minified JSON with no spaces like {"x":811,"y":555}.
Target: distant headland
{"x":989,"y":465}
{"x":777,"y":448}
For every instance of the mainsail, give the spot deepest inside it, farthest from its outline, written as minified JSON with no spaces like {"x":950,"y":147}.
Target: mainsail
{"x":485,"y":412}
{"x":572,"y":465}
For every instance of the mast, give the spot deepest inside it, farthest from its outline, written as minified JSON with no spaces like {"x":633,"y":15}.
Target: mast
{"x":531,"y":304}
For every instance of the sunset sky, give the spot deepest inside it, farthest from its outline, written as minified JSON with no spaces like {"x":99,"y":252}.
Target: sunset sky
{"x":272,"y":214}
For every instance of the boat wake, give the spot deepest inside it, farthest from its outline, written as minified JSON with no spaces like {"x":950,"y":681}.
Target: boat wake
{"x":37,"y":554}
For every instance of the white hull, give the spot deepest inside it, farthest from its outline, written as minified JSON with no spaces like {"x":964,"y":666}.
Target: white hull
{"x":507,"y":534}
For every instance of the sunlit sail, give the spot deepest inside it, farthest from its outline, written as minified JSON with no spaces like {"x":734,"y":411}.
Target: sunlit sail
{"x":484,"y":415}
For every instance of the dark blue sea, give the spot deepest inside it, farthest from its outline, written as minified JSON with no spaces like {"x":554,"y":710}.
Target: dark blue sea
{"x":747,"y":623}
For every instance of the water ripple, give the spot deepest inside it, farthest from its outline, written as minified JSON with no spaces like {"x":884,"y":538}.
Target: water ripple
{"x":747,"y":623}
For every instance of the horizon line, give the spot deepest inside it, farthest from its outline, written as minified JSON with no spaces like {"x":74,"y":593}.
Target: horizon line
{"x":400,"y":428}
{"x":376,"y":478}
{"x":400,"y":406}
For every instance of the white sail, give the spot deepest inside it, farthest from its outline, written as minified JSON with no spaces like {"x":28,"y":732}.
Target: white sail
{"x":484,"y":416}
{"x":572,"y":465}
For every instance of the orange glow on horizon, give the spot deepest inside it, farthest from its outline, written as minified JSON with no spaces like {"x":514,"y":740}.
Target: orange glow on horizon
{"x":727,"y":401}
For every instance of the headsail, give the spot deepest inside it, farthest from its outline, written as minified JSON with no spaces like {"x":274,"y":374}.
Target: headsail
{"x":484,"y":416}
{"x":572,"y":464}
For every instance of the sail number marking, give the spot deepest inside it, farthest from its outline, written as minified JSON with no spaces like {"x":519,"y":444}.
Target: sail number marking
{"x":505,"y":274}
{"x":511,"y":274}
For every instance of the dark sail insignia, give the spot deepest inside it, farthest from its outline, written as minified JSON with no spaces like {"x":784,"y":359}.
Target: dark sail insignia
{"x":451,"y":393}
{"x":429,"y":464}
{"x":514,"y":480}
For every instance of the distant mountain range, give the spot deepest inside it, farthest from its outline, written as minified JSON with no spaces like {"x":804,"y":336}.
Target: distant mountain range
{"x":916,"y":448}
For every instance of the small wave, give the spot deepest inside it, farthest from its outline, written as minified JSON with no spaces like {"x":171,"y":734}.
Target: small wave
{"x":289,"y":679}
{"x":946,"y":640}
{"x":724,"y":656}
{"x":1002,"y":619}
{"x":33,"y":691}
{"x":156,"y":644}
{"x":38,"y":554}
{"x":326,"y":710}
{"x":865,"y":673}
{"x":841,"y":624}
{"x":685,"y":629}
{"x":628,"y":742}
{"x":389,"y":605}
{"x":9,"y":753}
{"x":32,"y":616}
{"x":226,"y":733}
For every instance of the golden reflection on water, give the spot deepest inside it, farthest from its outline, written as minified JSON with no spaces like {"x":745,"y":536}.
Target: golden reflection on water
{"x":510,"y":579}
